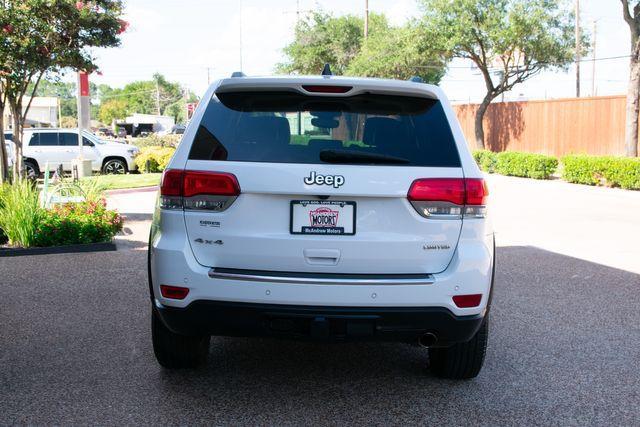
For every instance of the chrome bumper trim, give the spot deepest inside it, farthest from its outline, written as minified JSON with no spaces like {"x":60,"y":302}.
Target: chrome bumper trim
{"x":319,"y":279}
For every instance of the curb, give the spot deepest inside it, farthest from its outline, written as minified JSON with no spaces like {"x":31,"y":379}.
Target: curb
{"x":131,"y":190}
{"x":87,"y":247}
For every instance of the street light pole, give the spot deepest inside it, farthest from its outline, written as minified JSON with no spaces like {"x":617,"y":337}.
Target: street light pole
{"x":577,"y":48}
{"x":366,"y":18}
{"x":240,"y":35}
{"x":593,"y":62}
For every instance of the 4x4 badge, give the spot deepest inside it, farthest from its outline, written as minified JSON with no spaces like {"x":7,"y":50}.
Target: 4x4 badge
{"x":315,"y":178}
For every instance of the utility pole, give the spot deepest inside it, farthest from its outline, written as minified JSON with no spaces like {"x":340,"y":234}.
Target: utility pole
{"x":157,"y":97}
{"x":240,"y":35}
{"x":208,"y":76}
{"x":366,"y":18}
{"x":578,"y":48}
{"x":593,"y":63}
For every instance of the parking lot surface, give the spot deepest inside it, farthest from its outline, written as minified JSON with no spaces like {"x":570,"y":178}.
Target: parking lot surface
{"x":75,"y":344}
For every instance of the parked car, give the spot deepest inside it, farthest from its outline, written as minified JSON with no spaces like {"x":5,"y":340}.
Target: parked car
{"x":8,"y":144}
{"x":375,"y":230}
{"x":60,"y":146}
{"x":105,"y":132}
{"x":178,"y":129}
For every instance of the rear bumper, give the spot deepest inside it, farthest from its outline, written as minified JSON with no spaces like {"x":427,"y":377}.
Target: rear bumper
{"x":404,"y":324}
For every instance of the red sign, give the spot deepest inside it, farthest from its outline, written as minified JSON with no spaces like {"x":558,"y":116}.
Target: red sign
{"x":84,"y":83}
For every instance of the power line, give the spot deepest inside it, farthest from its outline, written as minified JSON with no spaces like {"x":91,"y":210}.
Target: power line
{"x":462,"y":67}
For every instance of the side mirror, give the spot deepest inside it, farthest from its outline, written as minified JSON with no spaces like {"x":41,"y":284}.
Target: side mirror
{"x":87,"y":143}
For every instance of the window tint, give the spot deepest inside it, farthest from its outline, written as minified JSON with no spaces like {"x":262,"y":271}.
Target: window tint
{"x":69,"y":139}
{"x":287,"y":127}
{"x":48,"y":139}
{"x":35,"y":139}
{"x":8,"y":137}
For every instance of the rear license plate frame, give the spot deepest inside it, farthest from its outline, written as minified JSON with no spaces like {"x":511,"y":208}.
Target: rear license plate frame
{"x":326,"y":230}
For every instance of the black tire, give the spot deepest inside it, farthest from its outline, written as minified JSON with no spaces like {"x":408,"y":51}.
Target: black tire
{"x":175,"y":351}
{"x":463,"y":360}
{"x":114,"y":167}
{"x":32,"y":171}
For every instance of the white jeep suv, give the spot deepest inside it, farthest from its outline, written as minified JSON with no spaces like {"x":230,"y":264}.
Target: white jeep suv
{"x":60,"y":146}
{"x":323,"y":208}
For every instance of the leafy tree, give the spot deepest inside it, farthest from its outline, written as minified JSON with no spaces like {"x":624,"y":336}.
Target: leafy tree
{"x":322,"y":38}
{"x":631,"y":14}
{"x":68,"y":122}
{"x":399,"y":53}
{"x":65,"y":91}
{"x":46,"y":36}
{"x":113,"y":109}
{"x":509,"y":41}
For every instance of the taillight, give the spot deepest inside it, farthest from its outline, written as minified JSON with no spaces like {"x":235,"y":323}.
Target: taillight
{"x":171,"y":189}
{"x":467,"y":301}
{"x":449,"y":198}
{"x":200,"y":190}
{"x":174,"y":292}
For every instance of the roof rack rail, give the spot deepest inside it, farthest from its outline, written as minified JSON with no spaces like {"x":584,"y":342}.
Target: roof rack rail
{"x":238,"y":74}
{"x":416,"y":79}
{"x":326,"y":70}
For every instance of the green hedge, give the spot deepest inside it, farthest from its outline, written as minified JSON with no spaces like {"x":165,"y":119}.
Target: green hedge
{"x":513,"y":163}
{"x":154,"y":140}
{"x":486,"y":159}
{"x":607,"y":171}
{"x":529,"y":165}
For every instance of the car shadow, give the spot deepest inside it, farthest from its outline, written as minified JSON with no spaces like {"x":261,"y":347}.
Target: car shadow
{"x":563,"y":349}
{"x":555,"y":320}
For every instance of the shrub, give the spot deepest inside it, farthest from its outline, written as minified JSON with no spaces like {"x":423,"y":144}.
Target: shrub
{"x":154,"y":140}
{"x":20,"y":213}
{"x":529,"y":165}
{"x":73,"y":223}
{"x":607,"y":170}
{"x":3,"y":236}
{"x":158,"y":158}
{"x":486,"y":159}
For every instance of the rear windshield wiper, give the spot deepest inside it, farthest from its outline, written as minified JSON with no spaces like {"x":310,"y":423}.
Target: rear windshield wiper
{"x":359,"y":157}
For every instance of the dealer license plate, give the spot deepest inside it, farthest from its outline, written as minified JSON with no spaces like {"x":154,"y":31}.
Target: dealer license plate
{"x":323,"y":217}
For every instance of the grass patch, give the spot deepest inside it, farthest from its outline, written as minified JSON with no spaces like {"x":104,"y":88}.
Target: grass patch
{"x":114,"y":182}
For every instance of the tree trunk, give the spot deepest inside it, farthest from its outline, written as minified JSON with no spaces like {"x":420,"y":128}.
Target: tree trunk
{"x":18,"y":164}
{"x":479,"y":130}
{"x":633,"y":108}
{"x":4,"y":164}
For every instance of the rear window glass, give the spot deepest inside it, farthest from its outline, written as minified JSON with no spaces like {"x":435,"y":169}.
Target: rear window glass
{"x":288,"y":127}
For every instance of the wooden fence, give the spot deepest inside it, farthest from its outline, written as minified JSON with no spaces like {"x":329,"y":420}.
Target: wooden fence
{"x":555,"y":127}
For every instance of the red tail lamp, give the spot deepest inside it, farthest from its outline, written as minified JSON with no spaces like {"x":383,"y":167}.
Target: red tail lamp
{"x":174,"y":292}
{"x":467,"y":301}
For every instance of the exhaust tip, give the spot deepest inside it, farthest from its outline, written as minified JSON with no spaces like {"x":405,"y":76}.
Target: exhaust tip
{"x":427,"y":340}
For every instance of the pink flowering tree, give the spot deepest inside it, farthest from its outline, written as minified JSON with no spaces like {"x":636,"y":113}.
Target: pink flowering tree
{"x":46,"y":36}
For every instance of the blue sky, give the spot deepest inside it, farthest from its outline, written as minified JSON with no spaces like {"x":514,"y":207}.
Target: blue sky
{"x":182,"y":39}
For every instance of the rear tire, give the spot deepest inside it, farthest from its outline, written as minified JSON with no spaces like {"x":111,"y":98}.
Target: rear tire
{"x":31,"y":170}
{"x":463,"y":360}
{"x":174,"y":351}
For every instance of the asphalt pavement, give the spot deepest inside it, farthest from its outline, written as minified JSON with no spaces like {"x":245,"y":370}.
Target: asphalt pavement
{"x":75,"y":346}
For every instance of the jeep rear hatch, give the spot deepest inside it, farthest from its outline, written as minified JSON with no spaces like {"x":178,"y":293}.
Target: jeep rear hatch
{"x":293,"y":181}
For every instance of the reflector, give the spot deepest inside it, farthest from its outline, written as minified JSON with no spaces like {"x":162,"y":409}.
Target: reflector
{"x":466,"y":301}
{"x":174,"y":292}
